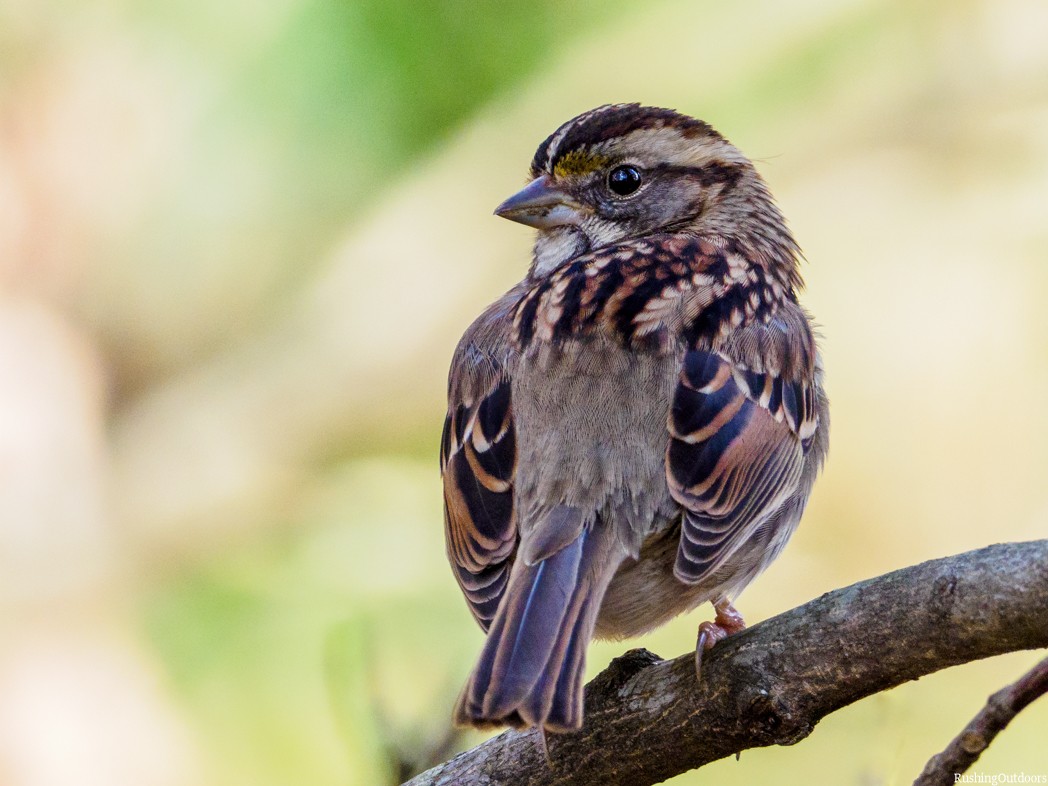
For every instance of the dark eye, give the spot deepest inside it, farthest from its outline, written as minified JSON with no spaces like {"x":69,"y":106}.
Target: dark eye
{"x":624,"y":180}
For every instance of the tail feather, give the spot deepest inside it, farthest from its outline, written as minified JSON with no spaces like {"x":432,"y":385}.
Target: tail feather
{"x":531,"y":667}
{"x":565,"y":710}
{"x":536,"y":708}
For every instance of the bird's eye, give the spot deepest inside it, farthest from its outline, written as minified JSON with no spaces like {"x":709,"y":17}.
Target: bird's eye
{"x":624,"y":180}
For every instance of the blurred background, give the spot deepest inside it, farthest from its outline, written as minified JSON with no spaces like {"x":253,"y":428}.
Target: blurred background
{"x":238,"y":242}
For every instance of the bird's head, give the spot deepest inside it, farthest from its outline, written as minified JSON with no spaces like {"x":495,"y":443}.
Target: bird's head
{"x":624,"y":171}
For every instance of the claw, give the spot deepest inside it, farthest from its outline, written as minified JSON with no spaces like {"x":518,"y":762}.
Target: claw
{"x":701,"y":646}
{"x":727,"y":622}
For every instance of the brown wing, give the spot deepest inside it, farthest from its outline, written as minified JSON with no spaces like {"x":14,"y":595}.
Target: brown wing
{"x":736,"y":453}
{"x":478,"y":459}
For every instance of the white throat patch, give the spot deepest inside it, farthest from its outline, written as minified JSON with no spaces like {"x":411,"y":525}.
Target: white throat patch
{"x":554,"y":247}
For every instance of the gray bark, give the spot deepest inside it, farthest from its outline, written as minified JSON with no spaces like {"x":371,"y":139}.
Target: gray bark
{"x":649,"y":719}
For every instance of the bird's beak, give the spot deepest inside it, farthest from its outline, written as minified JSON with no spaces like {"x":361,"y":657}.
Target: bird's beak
{"x":541,"y":205}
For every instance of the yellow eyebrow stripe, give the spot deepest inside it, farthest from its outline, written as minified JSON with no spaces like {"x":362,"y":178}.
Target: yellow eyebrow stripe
{"x":579,"y":162}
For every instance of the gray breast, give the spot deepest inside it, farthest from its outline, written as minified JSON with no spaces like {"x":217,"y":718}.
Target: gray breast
{"x":591,"y":433}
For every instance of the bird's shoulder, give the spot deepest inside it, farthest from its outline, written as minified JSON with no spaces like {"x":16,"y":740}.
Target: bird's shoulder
{"x":775,"y":363}
{"x":487,"y":353}
{"x":782,"y":344}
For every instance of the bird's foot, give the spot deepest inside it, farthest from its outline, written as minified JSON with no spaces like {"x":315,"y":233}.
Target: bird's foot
{"x":727,"y":622}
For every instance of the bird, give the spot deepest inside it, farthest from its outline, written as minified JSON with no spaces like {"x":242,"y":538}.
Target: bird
{"x":633,"y":429}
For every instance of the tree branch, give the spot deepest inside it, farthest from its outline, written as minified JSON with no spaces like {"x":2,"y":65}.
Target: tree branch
{"x":1000,"y":709}
{"x":647,"y":719}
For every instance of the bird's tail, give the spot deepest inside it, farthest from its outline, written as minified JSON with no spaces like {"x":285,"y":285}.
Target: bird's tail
{"x":530,"y":670}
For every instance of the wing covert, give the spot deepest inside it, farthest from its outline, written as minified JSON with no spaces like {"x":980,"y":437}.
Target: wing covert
{"x":478,"y":461}
{"x":736,"y":453}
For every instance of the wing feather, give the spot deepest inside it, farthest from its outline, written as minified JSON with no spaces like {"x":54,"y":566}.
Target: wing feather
{"x":735,"y":455}
{"x":478,"y":463}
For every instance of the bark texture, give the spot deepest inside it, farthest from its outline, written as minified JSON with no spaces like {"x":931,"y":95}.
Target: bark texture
{"x":648,"y":719}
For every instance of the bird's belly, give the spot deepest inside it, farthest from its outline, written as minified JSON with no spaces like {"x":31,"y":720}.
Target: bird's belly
{"x":591,"y":432}
{"x":645,"y":594}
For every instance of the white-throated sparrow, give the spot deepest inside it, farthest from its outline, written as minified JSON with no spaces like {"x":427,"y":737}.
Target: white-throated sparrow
{"x":634,"y":428}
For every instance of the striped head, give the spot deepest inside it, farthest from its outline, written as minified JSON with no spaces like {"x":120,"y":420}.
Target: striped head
{"x":624,"y":171}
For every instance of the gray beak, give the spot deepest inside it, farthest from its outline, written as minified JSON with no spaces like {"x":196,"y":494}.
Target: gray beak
{"x":541,"y":205}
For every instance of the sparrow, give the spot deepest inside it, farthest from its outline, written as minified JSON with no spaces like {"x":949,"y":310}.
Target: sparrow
{"x":634,"y":429}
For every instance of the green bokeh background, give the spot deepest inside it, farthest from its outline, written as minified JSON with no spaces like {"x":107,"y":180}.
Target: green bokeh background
{"x":241,"y":240}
